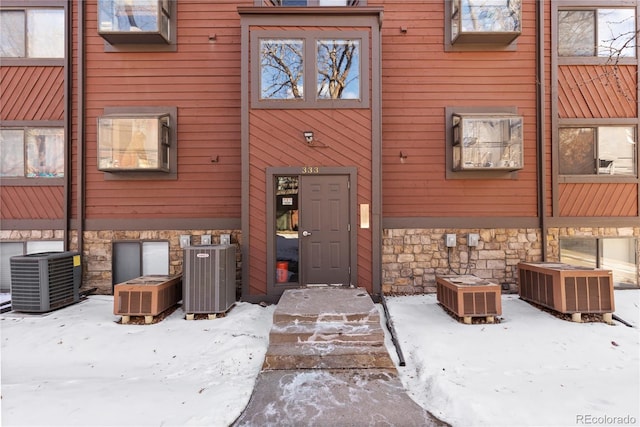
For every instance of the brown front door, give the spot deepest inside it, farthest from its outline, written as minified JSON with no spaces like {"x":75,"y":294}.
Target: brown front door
{"x":324,"y":230}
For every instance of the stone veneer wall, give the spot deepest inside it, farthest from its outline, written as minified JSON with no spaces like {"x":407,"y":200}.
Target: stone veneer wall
{"x":26,"y":235}
{"x":411,"y":258}
{"x":97,"y":251}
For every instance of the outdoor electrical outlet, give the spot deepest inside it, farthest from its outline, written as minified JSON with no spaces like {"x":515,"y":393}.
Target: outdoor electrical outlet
{"x":473,"y":239}
{"x":451,"y":240}
{"x":206,"y":239}
{"x":185,"y":240}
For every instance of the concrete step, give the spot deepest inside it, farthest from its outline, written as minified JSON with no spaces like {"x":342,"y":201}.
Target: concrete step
{"x":326,"y":332}
{"x":326,"y":328}
{"x":327,"y":356}
{"x":326,"y":305}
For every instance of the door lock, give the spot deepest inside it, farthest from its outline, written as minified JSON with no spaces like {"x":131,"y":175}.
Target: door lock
{"x":306,"y":233}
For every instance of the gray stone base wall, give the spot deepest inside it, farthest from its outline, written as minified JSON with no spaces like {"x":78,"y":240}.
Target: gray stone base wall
{"x":98,"y":253}
{"x":411,"y":258}
{"x":27,"y":235}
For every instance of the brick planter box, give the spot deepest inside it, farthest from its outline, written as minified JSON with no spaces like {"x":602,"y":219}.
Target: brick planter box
{"x":469,"y":296}
{"x":567,"y":289}
{"x":146,"y":296}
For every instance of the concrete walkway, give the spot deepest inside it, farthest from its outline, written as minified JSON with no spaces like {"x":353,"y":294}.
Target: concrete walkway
{"x":327,"y":365}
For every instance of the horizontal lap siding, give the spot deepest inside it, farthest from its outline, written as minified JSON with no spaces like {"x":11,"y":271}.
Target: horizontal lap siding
{"x":598,"y":200}
{"x":202,"y":79}
{"x":419,"y":81}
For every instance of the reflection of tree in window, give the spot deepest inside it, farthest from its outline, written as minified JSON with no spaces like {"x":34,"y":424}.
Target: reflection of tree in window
{"x":608,"y":150}
{"x":597,"y":32}
{"x":336,"y":60}
{"x":138,"y":15}
{"x":490,"y":15}
{"x":576,"y":151}
{"x":282,"y":69}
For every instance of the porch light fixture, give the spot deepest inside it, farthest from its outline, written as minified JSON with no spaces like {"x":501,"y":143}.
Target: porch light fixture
{"x":308,"y":136}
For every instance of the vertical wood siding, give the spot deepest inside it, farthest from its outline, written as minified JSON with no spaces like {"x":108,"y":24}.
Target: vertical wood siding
{"x":419,"y":80}
{"x":598,"y":200}
{"x":590,"y":91}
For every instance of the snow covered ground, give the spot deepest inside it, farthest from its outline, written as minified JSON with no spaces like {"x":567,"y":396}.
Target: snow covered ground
{"x":78,"y":367}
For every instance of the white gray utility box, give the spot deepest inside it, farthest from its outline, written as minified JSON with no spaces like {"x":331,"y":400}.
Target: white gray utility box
{"x":45,"y":281}
{"x":209,"y":279}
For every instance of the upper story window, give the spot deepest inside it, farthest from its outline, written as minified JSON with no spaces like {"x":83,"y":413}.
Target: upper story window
{"x":281,"y":68}
{"x":597,"y":32}
{"x":32,"y":33}
{"x":36,"y":152}
{"x":313,"y":70}
{"x":134,"y":142}
{"x":485,"y":21}
{"x":487,"y":142}
{"x":597,"y":150}
{"x":135,"y":21}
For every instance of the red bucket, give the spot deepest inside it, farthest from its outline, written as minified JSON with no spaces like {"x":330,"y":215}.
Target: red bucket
{"x":282,"y":271}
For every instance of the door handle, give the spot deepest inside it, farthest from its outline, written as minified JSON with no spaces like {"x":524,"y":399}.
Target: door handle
{"x":306,"y":233}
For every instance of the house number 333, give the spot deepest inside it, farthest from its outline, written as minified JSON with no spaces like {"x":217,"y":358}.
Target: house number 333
{"x":310,"y":169}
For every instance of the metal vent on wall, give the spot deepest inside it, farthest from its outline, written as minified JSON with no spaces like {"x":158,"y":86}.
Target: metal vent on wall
{"x":481,"y":303}
{"x":135,"y":302}
{"x":588,"y":294}
{"x":45,"y":281}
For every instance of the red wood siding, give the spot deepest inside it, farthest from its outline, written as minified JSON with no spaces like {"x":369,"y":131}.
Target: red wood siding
{"x":599,"y":200}
{"x":419,"y":80}
{"x":32,"y":93}
{"x":203,"y":80}
{"x":276,"y":140}
{"x":590,"y":91}
{"x":31,"y":202}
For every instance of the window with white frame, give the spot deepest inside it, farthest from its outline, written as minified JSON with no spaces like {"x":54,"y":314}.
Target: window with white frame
{"x":597,"y":150}
{"x":32,"y":33}
{"x":32,"y":152}
{"x":599,"y":32}
{"x":617,"y":254}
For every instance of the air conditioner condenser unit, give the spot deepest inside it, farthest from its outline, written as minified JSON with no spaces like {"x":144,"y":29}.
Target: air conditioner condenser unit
{"x":45,"y":281}
{"x":209,"y":279}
